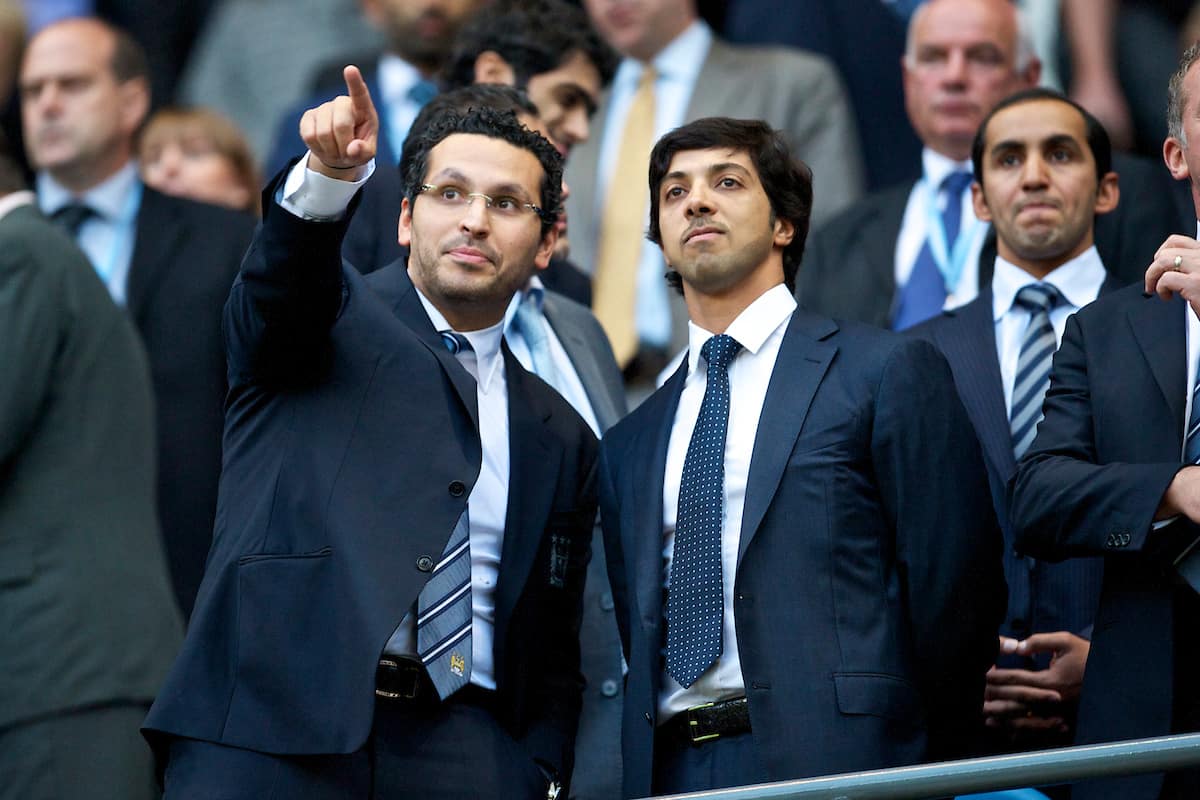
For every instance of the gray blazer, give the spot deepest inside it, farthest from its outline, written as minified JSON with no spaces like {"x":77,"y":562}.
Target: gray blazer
{"x":598,"y":744}
{"x":797,"y":93}
{"x":86,"y":609}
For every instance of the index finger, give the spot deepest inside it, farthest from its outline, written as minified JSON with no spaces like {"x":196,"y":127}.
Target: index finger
{"x":356,"y":89}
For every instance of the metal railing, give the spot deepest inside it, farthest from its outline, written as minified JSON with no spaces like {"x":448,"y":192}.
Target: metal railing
{"x":949,"y":778}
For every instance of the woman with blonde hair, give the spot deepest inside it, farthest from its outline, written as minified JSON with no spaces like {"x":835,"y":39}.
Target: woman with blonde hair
{"x":199,"y":154}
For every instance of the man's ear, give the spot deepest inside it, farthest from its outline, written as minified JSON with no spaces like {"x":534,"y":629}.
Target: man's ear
{"x":1108,"y":193}
{"x":491,"y":68}
{"x":979,"y":202}
{"x":545,"y":250}
{"x":135,"y":103}
{"x":1175,"y":157}
{"x":404,"y":225}
{"x":785,"y":231}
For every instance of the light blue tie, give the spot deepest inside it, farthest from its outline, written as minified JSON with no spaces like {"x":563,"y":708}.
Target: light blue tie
{"x":1033,"y":363}
{"x":696,"y":600}
{"x":444,"y":604}
{"x":529,"y":322}
{"x":924,"y":295}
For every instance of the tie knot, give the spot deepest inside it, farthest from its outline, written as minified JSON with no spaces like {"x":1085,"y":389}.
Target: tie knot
{"x":955,"y":182}
{"x":1038,"y":297}
{"x":72,"y":216}
{"x":719,"y":350}
{"x":455,"y":342}
{"x":422,"y":92}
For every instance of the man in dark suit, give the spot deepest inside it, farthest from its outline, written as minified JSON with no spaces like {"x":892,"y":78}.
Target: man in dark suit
{"x":168,"y":261}
{"x":89,"y":628}
{"x":1112,"y":473}
{"x":901,"y":255}
{"x":833,"y":579}
{"x":359,"y":449}
{"x":1043,"y":171}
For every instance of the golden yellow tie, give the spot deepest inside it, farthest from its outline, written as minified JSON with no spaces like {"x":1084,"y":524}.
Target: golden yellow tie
{"x":614,"y":284}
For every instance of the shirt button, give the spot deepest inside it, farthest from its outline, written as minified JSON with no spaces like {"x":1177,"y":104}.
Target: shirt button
{"x":609,"y":688}
{"x":457,"y":488}
{"x":425,"y":564}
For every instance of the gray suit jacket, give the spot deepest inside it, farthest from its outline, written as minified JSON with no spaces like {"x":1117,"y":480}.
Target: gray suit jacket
{"x":88,"y":615}
{"x":598,"y":744}
{"x":797,"y":93}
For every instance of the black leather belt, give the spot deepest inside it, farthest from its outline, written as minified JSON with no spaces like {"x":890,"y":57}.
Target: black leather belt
{"x":704,"y":723}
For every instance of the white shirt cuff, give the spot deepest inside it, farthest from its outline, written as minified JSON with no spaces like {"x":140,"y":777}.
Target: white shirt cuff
{"x":310,"y":195}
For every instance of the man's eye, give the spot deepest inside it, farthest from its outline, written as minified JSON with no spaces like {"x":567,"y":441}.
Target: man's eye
{"x":675,"y":191}
{"x":1060,"y":155}
{"x":729,"y":183}
{"x":506,"y":203}
{"x":450,"y":194}
{"x":1009,"y":160}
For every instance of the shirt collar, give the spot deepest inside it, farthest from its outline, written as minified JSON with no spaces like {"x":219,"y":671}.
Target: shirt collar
{"x":751,"y":328}
{"x":1078,"y":280}
{"x":13,"y":201}
{"x":396,"y":77}
{"x":938,"y":167}
{"x":485,"y":342}
{"x":680,"y":60}
{"x":108,"y":198}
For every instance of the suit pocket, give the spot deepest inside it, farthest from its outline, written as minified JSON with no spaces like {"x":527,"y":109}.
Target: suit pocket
{"x":16,"y":562}
{"x":873,"y":694}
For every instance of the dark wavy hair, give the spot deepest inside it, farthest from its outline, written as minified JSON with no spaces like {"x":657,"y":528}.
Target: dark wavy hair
{"x":494,"y":124}
{"x":786,"y":180}
{"x":533,"y":36}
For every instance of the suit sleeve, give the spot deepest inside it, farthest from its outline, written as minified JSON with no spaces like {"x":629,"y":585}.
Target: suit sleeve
{"x":286,"y":298}
{"x":1062,"y":501}
{"x":29,"y":339}
{"x":948,"y":545}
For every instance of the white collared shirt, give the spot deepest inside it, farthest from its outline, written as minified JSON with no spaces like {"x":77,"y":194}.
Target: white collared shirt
{"x":677,"y":66}
{"x":108,"y":236}
{"x":914,"y":228}
{"x":1193,"y":359}
{"x":313,"y":196}
{"x":396,"y":79}
{"x":570,"y":386}
{"x":1078,"y":280}
{"x":759,"y":329}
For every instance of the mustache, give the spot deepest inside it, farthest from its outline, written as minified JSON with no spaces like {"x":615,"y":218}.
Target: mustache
{"x":702,"y":222}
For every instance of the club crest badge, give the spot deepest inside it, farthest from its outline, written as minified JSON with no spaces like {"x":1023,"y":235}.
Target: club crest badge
{"x":457,"y":664}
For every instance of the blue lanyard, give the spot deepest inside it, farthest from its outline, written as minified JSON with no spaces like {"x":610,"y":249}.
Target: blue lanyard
{"x":950,"y":262}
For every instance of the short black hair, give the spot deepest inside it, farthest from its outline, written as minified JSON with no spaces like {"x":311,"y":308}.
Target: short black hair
{"x":533,"y":36}
{"x":129,"y":59}
{"x":495,"y":124}
{"x":1097,"y":136}
{"x":786,"y":180}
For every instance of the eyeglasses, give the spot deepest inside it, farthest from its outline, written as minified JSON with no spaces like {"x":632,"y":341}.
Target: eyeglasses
{"x":505,"y":206}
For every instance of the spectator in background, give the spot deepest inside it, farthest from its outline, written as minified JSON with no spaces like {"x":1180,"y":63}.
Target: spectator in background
{"x":168,"y":261}
{"x":255,"y":58}
{"x":12,"y":46}
{"x":901,"y":256}
{"x":89,"y":627}
{"x":197,"y":153}
{"x":674,"y":71}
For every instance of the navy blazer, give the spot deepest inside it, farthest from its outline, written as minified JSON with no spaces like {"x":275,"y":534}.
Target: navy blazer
{"x":1090,"y":485}
{"x":1042,"y":596}
{"x":351,"y":448}
{"x":868,"y":586}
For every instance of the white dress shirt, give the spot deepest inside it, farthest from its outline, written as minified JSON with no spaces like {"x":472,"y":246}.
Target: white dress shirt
{"x":108,"y":236}
{"x":1078,"y":280}
{"x":759,"y":329}
{"x":569,"y":384}
{"x":396,"y":79}
{"x":677,"y":66}
{"x":313,"y":196}
{"x":914,"y":227}
{"x":1193,"y":358}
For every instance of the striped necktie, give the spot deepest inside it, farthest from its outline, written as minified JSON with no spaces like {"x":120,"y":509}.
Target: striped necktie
{"x":696,"y":599}
{"x":1191,"y":446}
{"x":1033,"y":363}
{"x":444,"y":605}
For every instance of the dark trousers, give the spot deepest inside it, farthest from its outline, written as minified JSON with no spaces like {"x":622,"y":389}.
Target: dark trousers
{"x":448,"y":751}
{"x":718,"y":764}
{"x":92,"y":752}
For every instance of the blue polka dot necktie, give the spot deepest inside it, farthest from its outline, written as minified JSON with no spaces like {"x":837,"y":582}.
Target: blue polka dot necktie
{"x":1033,"y":363}
{"x":695,"y":600}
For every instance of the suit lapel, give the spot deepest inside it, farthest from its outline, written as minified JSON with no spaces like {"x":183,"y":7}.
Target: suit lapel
{"x":804,"y":358}
{"x":533,"y":474}
{"x":970,"y":347}
{"x":1159,"y":330}
{"x":159,"y":232}
{"x":644,"y":523}
{"x":582,"y":356}
{"x":718,"y":77}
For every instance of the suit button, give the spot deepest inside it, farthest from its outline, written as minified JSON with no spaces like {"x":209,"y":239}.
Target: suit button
{"x":457,"y":488}
{"x":425,"y":564}
{"x":609,"y":688}
{"x":606,"y":602}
